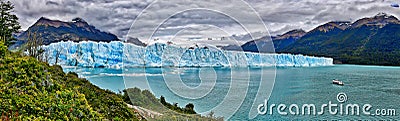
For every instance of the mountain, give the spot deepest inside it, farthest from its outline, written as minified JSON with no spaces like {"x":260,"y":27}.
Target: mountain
{"x":231,"y":47}
{"x":248,"y":36}
{"x":297,"y":33}
{"x":52,"y":31}
{"x":257,"y":45}
{"x":371,"y":40}
{"x":135,"y":41}
{"x":380,"y":19}
{"x":288,"y":38}
{"x":280,"y":41}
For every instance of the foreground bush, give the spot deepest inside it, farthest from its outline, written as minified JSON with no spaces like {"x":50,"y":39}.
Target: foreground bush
{"x":33,"y":90}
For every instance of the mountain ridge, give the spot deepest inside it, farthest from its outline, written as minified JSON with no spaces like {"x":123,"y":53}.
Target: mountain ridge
{"x":52,"y":31}
{"x":370,"y":40}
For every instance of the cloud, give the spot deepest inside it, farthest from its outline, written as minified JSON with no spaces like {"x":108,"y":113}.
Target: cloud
{"x":307,"y":14}
{"x":279,"y":16}
{"x":107,"y":15}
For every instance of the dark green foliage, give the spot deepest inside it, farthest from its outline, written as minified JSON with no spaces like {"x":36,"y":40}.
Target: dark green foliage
{"x":103,"y":101}
{"x":8,"y":21}
{"x":145,"y":99}
{"x":189,"y":108}
{"x":29,"y":90}
{"x":162,"y":100}
{"x":282,"y":43}
{"x":3,"y":49}
{"x":171,"y":112}
{"x":33,"y":90}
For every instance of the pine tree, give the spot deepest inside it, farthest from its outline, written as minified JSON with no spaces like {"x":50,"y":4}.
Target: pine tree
{"x":8,"y":21}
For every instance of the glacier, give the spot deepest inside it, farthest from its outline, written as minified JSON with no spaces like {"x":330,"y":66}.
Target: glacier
{"x":117,"y":54}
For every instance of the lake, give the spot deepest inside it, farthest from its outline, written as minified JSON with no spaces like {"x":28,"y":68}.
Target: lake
{"x":377,"y":87}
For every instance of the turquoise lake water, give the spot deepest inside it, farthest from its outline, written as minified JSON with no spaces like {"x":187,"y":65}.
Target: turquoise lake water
{"x":378,"y":86}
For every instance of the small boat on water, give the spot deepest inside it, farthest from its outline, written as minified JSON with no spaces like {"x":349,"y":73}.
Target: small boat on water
{"x":337,"y":82}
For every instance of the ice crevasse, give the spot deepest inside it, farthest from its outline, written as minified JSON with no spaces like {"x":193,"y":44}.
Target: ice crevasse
{"x":118,"y":54}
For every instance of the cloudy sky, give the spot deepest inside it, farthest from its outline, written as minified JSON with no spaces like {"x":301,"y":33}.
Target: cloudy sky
{"x":206,"y":17}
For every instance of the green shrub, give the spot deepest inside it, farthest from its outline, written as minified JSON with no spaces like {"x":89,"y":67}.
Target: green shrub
{"x":3,"y":49}
{"x":33,"y":90}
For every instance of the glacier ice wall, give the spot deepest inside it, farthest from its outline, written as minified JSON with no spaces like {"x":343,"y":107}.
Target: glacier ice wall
{"x":118,"y":54}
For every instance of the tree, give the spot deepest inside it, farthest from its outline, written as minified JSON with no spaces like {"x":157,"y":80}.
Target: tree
{"x":8,"y":21}
{"x":58,"y":53}
{"x":162,"y":100}
{"x":189,"y":106}
{"x":189,"y":109}
{"x":3,"y":48}
{"x":33,"y":45}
